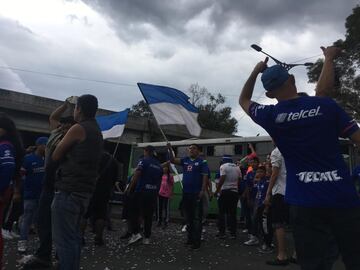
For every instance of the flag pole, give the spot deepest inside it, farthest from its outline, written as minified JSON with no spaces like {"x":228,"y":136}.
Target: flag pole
{"x":117,"y":146}
{"x":161,"y":131}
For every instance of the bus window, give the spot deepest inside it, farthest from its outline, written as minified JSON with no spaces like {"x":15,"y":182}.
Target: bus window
{"x":210,"y":151}
{"x":238,"y":149}
{"x":263,"y":149}
{"x":221,"y":150}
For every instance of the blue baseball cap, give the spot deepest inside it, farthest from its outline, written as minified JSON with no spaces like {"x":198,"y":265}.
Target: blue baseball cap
{"x":41,"y":141}
{"x":274,"y":77}
{"x":226,"y":159}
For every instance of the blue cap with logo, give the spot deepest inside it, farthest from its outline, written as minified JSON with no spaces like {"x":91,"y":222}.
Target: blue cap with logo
{"x":226,"y":159}
{"x":41,"y":141}
{"x":274,"y":77}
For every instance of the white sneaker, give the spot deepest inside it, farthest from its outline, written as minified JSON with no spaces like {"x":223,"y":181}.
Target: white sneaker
{"x":25,"y":259}
{"x":253,"y":241}
{"x":203,"y":230}
{"x":22,"y":245}
{"x":6,"y":234}
{"x":134,"y":238}
{"x":146,"y":241}
{"x":245,"y":231}
{"x":184,"y":228}
{"x":14,"y":234}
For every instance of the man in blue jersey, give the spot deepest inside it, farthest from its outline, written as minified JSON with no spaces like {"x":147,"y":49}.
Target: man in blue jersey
{"x":325,"y":207}
{"x":33,"y":170}
{"x":195,"y":179}
{"x":145,"y":184}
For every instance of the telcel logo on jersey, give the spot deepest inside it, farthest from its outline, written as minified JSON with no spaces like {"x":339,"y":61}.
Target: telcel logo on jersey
{"x":308,"y":177}
{"x":282,"y":117}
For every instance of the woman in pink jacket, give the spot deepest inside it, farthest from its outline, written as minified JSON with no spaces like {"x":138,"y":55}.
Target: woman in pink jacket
{"x":165,"y":193}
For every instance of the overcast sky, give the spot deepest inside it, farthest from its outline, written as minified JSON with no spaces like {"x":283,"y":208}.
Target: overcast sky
{"x":173,"y":42}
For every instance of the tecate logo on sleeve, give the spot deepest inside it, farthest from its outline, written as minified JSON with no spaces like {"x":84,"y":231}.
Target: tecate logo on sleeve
{"x":308,"y":177}
{"x":292,"y":116}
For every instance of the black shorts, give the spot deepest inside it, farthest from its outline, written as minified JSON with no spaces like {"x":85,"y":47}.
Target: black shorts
{"x":279,"y":211}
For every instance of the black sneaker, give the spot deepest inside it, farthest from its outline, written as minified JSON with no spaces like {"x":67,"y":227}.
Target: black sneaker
{"x":195,"y":246}
{"x":221,"y":235}
{"x":293,"y":260}
{"x":278,"y":262}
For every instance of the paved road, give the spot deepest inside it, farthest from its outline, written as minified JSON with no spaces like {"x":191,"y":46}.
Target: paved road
{"x":166,"y":252}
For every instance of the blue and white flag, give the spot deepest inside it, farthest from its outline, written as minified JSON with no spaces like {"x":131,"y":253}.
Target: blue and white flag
{"x":171,"y":107}
{"x":112,"y":126}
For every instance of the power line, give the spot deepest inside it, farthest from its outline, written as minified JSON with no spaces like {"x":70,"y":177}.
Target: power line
{"x":68,"y":77}
{"x":303,"y":59}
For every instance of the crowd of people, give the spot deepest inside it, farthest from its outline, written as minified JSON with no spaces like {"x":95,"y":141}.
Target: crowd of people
{"x":64,"y":182}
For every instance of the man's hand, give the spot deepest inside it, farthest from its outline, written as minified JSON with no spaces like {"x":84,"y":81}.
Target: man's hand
{"x":261,"y":66}
{"x":71,"y":100}
{"x":331,"y":52}
{"x":267,"y":200}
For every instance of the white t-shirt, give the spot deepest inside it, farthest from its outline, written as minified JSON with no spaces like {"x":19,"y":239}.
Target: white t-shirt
{"x":232,"y":174}
{"x":277,"y":160}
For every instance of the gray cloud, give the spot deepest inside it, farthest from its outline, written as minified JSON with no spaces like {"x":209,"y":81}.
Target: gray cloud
{"x":129,"y":18}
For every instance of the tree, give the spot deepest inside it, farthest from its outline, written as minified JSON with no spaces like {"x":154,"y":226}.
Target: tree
{"x":213,"y":114}
{"x":347,"y":67}
{"x":141,"y":109}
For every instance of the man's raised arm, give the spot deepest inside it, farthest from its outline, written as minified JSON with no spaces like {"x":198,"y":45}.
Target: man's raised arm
{"x":326,"y":80}
{"x":248,"y":89}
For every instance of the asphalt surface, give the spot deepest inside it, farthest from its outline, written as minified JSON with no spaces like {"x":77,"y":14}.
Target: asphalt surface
{"x":166,"y":251}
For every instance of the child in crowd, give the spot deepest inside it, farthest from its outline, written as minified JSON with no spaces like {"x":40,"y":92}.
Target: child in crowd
{"x":248,"y":197}
{"x":261,"y":217}
{"x":165,"y":193}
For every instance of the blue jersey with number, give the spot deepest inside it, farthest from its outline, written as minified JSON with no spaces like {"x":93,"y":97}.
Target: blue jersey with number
{"x":306,"y":131}
{"x":356,"y":176}
{"x":151,"y":173}
{"x":193,"y":172}
{"x":34,"y":171}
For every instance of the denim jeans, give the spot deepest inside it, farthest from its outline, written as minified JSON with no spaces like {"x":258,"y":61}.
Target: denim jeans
{"x":29,"y":216}
{"x":44,"y":225}
{"x":67,"y":212}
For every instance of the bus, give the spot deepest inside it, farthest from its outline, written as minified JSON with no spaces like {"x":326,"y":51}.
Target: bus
{"x":214,"y":149}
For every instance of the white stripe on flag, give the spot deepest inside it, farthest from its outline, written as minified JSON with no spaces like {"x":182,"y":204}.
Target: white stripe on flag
{"x":170,"y":114}
{"x":114,"y":132}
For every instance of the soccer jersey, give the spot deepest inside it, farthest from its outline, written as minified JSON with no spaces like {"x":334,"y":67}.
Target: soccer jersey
{"x":249,"y":183}
{"x":33,"y":168}
{"x":7,"y":164}
{"x":193,"y":172}
{"x":306,"y":131}
{"x":151,"y":173}
{"x":261,"y":187}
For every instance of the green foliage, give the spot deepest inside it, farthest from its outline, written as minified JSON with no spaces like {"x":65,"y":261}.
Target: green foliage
{"x":213,"y":114}
{"x":347,"y":67}
{"x":140,"y":109}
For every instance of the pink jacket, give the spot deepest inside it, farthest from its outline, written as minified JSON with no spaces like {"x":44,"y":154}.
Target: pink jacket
{"x":167,"y":184}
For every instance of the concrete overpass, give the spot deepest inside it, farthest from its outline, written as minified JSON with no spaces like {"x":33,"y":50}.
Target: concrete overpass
{"x":31,"y":114}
